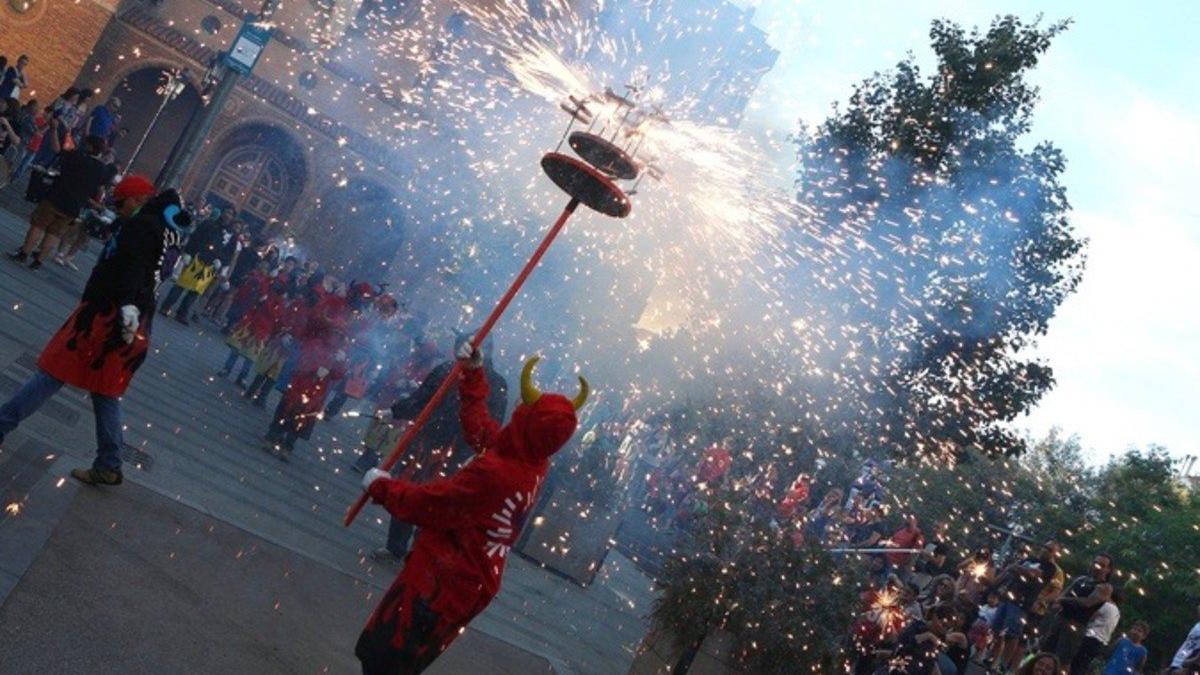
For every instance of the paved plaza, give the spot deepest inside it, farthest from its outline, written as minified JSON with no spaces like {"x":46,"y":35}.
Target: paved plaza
{"x":215,"y":551}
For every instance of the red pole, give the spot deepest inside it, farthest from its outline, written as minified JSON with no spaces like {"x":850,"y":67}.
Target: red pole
{"x":477,"y":341}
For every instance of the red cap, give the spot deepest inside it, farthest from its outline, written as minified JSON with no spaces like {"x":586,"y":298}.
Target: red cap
{"x":132,"y":187}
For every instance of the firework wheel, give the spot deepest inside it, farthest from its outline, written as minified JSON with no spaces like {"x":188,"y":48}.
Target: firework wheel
{"x":587,"y":184}
{"x":602,"y":154}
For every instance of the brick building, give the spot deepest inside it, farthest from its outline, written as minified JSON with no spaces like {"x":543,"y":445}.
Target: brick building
{"x":330,"y":138}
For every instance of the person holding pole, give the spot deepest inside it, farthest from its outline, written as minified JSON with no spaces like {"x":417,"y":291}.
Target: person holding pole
{"x":468,"y":522}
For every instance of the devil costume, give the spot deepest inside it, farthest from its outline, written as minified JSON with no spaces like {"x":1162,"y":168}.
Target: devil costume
{"x":106,"y":338}
{"x":467,"y":522}
{"x":88,"y":351}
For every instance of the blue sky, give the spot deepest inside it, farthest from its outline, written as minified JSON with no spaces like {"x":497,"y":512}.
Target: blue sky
{"x":1121,"y":97}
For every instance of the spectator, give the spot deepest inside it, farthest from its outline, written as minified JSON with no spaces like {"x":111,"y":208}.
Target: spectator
{"x":826,"y":517}
{"x":1097,"y":633}
{"x":13,"y":80}
{"x":80,"y":118}
{"x":976,"y":575}
{"x":1187,"y":659}
{"x":1041,"y":664}
{"x":8,"y":137}
{"x":1021,"y":584}
{"x":907,"y":537}
{"x":925,"y":644}
{"x":82,"y":176}
{"x":207,"y":252}
{"x":1078,"y":603}
{"x":1129,"y":656}
{"x":935,"y":561}
{"x":102,"y":121}
{"x":940,"y":591}
{"x":441,"y":448}
{"x":40,"y":123}
{"x":868,"y":532}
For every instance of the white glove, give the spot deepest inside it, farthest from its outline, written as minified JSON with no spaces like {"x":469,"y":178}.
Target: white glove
{"x":322,"y":372}
{"x":185,"y":260}
{"x":129,"y":323}
{"x":216,"y":265}
{"x":371,"y":476}
{"x":472,"y":357}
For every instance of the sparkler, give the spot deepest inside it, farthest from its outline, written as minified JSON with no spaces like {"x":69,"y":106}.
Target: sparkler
{"x":590,"y":182}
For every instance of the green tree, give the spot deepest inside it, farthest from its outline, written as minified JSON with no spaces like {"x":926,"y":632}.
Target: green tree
{"x":946,"y":246}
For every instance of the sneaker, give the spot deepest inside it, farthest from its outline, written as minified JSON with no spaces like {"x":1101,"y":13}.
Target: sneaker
{"x":283,"y":454}
{"x":260,"y":402}
{"x":71,"y":263}
{"x":240,"y":383}
{"x":222,"y":373}
{"x":182,"y":320}
{"x":97,"y":476}
{"x":60,"y":261}
{"x":18,"y":256}
{"x":36,"y":263}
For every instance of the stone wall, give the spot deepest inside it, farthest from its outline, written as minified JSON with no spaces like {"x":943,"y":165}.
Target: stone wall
{"x":58,"y":36}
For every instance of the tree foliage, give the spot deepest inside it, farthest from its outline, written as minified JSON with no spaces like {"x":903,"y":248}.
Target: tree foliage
{"x":954,"y":245}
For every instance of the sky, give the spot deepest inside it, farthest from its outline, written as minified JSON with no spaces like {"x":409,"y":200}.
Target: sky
{"x":1121,"y":97}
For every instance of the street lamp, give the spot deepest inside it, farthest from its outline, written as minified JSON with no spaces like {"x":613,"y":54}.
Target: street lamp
{"x":172,"y":85}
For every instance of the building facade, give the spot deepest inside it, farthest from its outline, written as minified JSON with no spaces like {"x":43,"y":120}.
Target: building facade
{"x":330,"y":139}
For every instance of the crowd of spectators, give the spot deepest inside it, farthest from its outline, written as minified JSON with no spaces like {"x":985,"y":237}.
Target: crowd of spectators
{"x":929,"y":605}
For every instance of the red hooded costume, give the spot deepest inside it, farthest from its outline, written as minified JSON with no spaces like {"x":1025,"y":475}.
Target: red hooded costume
{"x":318,"y":367}
{"x":468,"y":522}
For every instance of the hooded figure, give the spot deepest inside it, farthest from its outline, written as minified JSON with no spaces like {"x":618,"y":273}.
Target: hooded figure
{"x":90,"y":351}
{"x":106,"y":338}
{"x":467,"y":522}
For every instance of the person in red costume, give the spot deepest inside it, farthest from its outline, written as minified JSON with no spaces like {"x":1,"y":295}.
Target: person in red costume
{"x":320,"y":365}
{"x":107,"y":338}
{"x":252,"y":333}
{"x":468,"y":522}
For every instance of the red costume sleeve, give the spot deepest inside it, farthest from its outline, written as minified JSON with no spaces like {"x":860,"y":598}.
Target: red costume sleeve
{"x":479,"y":428}
{"x":447,"y":504}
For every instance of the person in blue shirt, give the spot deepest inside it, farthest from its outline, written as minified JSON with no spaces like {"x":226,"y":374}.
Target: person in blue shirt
{"x":1129,"y":656}
{"x":102,"y":123}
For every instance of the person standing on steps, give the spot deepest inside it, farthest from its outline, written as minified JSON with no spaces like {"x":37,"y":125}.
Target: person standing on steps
{"x":83,"y":173}
{"x":208,"y":250}
{"x":106,"y":339}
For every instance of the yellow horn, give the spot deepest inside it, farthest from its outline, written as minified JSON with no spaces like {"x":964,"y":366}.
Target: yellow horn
{"x":529,"y":393}
{"x":581,"y":398}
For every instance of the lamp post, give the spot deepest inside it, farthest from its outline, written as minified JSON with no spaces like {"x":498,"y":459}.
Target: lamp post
{"x":172,"y":85}
{"x":231,"y":67}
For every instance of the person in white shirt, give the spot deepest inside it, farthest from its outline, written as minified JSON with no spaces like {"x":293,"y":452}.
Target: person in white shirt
{"x":1099,"y":631}
{"x":1187,"y":659}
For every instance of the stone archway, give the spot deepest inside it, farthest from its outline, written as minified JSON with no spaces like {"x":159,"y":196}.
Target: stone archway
{"x":140,"y":101}
{"x":258,"y":170}
{"x":357,"y":230}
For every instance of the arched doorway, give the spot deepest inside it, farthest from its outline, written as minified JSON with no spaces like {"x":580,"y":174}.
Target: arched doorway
{"x":357,"y":231}
{"x":258,"y":171}
{"x":139,"y":103}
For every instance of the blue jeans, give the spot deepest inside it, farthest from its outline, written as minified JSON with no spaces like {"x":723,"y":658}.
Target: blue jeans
{"x":40,"y":388}
{"x":946,"y":665}
{"x":1009,"y":620}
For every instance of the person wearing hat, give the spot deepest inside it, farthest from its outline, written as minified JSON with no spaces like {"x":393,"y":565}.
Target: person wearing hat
{"x":107,"y":337}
